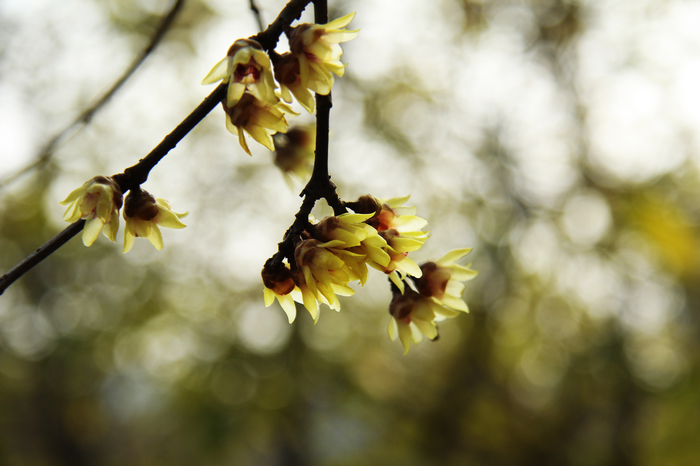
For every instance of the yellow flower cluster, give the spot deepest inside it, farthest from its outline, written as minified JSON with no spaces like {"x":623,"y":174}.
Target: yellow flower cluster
{"x":377,"y":233}
{"x":252,"y":104}
{"x":437,"y":296}
{"x":338,"y":250}
{"x":98,"y":202}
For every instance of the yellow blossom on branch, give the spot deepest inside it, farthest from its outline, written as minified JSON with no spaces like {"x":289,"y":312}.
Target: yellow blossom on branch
{"x":442,"y":280}
{"x":97,"y":201}
{"x":288,"y":74}
{"x":412,"y":317}
{"x":400,"y":232}
{"x":346,"y":228}
{"x":394,"y":215}
{"x":436,"y":297}
{"x":279,"y":284}
{"x":398,"y":247}
{"x":325,"y":273}
{"x":144,"y":214}
{"x":294,"y":152}
{"x":317,"y":49}
{"x":257,"y":118}
{"x":246,"y":67}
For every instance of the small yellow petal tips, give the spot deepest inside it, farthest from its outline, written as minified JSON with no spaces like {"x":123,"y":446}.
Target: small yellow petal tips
{"x":313,"y":59}
{"x":97,"y":201}
{"x":144,"y":214}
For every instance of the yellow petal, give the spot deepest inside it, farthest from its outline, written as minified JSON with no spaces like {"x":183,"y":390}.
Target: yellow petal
{"x":168,"y":219}
{"x":155,"y":237}
{"x":454,"y":303}
{"x":428,"y":328}
{"x":452,"y":256}
{"x":75,"y":194}
{"x":339,"y":22}
{"x":219,"y":72}
{"x":128,"y":241}
{"x":243,"y":142}
{"x":268,"y":296}
{"x":396,"y":280}
{"x":288,"y":305}
{"x":234,"y":93}
{"x":404,"y":335}
{"x":393,"y":329}
{"x":410,"y":267}
{"x":261,"y":135}
{"x":91,"y":230}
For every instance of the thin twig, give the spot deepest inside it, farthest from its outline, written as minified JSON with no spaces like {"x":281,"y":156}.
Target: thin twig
{"x":137,"y":174}
{"x":258,"y":16}
{"x":132,"y":177}
{"x":47,"y":151}
{"x":40,"y":254}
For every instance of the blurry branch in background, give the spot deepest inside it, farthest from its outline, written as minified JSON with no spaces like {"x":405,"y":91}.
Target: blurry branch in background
{"x":46,"y":152}
{"x":133,"y":176}
{"x":258,"y":16}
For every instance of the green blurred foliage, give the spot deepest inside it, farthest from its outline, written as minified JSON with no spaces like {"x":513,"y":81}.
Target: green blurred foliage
{"x":582,"y":342}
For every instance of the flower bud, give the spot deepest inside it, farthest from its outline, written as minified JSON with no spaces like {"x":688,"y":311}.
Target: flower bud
{"x":144,"y":214}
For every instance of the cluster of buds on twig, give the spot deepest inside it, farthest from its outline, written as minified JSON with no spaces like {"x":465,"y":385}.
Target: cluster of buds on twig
{"x":330,"y":254}
{"x":253,"y":105}
{"x":98,"y":202}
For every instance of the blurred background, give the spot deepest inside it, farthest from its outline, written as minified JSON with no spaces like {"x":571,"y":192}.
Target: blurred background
{"x":557,"y":138}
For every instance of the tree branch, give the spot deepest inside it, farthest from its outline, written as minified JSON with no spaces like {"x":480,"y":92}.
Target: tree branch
{"x":137,"y":174}
{"x":40,"y":254}
{"x":320,"y":185}
{"x":47,"y":151}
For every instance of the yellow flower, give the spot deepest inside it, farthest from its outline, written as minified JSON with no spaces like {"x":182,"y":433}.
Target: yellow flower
{"x":316,"y":47}
{"x":394,"y":215}
{"x":346,"y":228}
{"x":302,"y":294}
{"x":97,"y":201}
{"x":398,"y":247}
{"x":245,"y":67}
{"x":412,"y":317}
{"x":288,"y":74}
{"x":257,"y":118}
{"x":399,"y":233}
{"x":324,"y":273}
{"x":279,"y":284}
{"x":144,"y":214}
{"x":294,"y":152}
{"x":442,"y":281}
